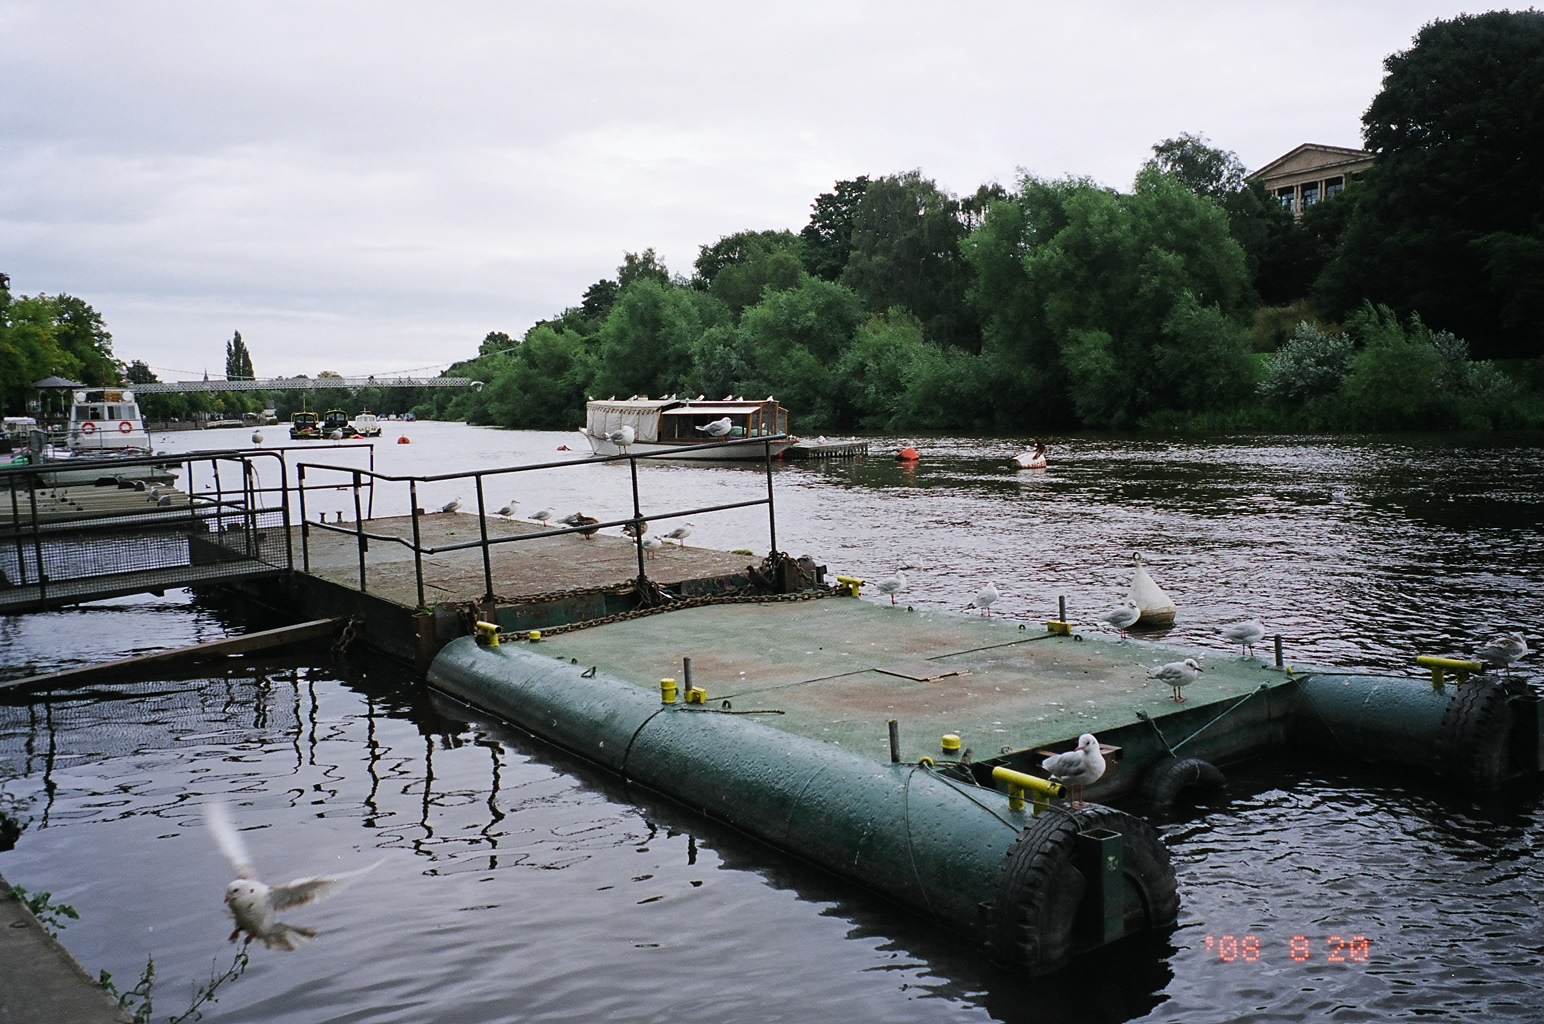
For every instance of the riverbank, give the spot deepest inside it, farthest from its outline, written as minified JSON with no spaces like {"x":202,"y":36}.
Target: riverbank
{"x":40,"y":983}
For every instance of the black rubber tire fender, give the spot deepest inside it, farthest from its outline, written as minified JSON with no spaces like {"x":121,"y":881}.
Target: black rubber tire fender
{"x":1035,"y":912}
{"x":1472,"y":742}
{"x":1168,"y":778}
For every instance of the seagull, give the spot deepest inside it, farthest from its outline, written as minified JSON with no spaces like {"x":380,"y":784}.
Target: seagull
{"x":254,"y":904}
{"x":893,"y":585}
{"x":679,"y":534}
{"x":581,"y":520}
{"x":984,"y":600}
{"x":507,"y":509}
{"x":652,"y":544}
{"x":1178,"y":674}
{"x":718,"y":428}
{"x":1501,"y":651}
{"x":623,"y":436}
{"x":257,"y":437}
{"x":451,"y":505}
{"x":1122,"y":616}
{"x":1246,"y":634}
{"x":542,"y":516}
{"x":1077,"y":767}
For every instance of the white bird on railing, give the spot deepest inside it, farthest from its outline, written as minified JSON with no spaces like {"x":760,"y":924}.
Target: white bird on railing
{"x":1178,"y":674}
{"x":254,"y":904}
{"x":1079,"y":767}
{"x":257,"y":437}
{"x":679,"y":534}
{"x":985,"y":598}
{"x":1246,"y":634}
{"x":623,"y":436}
{"x":451,"y":505}
{"x":1501,"y":651}
{"x":718,"y":428}
{"x":893,"y":585}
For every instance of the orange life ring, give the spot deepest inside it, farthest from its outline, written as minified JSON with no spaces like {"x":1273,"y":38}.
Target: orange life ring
{"x":88,"y":427}
{"x":125,"y":427}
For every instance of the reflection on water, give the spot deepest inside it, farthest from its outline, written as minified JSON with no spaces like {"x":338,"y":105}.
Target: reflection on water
{"x":522,"y":884}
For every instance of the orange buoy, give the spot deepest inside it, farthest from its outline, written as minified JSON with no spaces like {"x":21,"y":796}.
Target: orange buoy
{"x":908,"y":455}
{"x":404,"y":439}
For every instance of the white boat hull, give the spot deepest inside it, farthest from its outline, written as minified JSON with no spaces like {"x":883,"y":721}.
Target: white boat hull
{"x":739,"y":452}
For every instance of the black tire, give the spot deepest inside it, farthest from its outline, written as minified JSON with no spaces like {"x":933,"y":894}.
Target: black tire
{"x":1167,"y":779}
{"x":1035,"y":915}
{"x":1472,"y":742}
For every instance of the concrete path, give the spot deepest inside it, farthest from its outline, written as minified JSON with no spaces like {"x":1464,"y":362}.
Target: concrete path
{"x":40,"y":983}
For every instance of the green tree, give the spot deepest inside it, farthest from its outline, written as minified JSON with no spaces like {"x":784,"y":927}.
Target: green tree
{"x":238,"y":361}
{"x":827,"y":237}
{"x":739,"y":267}
{"x":45,"y":335}
{"x":643,"y":266}
{"x":1451,"y":219}
{"x":646,"y":341}
{"x":795,"y":338}
{"x":543,"y":384}
{"x":906,"y":235}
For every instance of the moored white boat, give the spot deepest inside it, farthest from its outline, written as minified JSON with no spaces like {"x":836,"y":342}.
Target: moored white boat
{"x":666,"y":423}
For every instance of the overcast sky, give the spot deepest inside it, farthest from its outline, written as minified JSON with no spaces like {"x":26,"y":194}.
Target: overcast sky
{"x":372,"y":187}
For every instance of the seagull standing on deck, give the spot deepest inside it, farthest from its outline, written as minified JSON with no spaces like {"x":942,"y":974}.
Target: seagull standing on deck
{"x":718,"y":428}
{"x":1246,"y":634}
{"x":893,"y":585}
{"x":254,"y":904}
{"x":1501,"y":651}
{"x":1122,"y":616}
{"x":508,"y":509}
{"x":1178,"y":674}
{"x":679,"y":534}
{"x":451,"y":505}
{"x":651,"y":545}
{"x":542,"y":516}
{"x":984,"y":599}
{"x":1079,"y":767}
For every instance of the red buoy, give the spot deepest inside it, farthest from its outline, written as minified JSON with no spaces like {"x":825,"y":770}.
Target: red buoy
{"x":404,"y":439}
{"x":908,"y":455}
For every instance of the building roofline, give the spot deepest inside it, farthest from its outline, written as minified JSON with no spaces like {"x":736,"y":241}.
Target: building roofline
{"x":1351,"y":156}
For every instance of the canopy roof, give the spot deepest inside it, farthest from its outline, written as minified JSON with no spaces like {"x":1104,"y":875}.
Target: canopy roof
{"x":58,"y":382}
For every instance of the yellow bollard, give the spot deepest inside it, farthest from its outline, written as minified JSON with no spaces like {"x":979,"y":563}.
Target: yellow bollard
{"x":1019,"y":783}
{"x":950,"y":745}
{"x":696,"y":695}
{"x":1441,"y":666}
{"x":852,"y":583}
{"x":667,"y":691}
{"x":534,"y":636}
{"x":488,"y":634}
{"x":1059,"y":628}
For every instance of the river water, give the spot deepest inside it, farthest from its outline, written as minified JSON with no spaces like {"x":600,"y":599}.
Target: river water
{"x":521,"y":885}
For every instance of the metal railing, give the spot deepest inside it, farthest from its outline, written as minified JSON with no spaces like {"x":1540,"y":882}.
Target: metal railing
{"x":362,"y":481}
{"x":82,"y":529}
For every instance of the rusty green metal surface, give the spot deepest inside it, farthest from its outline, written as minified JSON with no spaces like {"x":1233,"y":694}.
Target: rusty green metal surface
{"x":926,"y":841}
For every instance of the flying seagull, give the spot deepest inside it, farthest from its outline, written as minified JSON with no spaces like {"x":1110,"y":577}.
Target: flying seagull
{"x":254,"y":904}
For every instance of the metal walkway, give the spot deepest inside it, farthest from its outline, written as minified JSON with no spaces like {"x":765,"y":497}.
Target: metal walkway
{"x":88,"y":529}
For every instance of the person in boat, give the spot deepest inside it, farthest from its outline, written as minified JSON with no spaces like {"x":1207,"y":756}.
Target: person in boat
{"x":1041,"y":451}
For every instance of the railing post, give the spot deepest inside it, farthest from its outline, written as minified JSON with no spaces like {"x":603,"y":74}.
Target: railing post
{"x":482,"y":526}
{"x":305,"y":525}
{"x":289,"y":545}
{"x":632,"y":463}
{"x":359,"y":534}
{"x":21,"y":557}
{"x":771,"y":511}
{"x":37,"y":542}
{"x":418,"y":557}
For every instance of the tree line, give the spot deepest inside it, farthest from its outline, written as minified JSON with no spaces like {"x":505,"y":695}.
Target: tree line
{"x":1193,"y":299}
